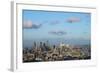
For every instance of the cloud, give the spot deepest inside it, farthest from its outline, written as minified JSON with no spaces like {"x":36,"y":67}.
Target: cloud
{"x":54,"y":22}
{"x":58,"y":32}
{"x":73,"y":19}
{"x":29,"y":25}
{"x":36,"y":26}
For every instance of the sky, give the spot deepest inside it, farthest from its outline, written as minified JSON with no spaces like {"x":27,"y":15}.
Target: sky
{"x":52,"y":24}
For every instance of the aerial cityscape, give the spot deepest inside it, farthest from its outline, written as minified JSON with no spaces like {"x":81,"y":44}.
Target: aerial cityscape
{"x":56,"y":36}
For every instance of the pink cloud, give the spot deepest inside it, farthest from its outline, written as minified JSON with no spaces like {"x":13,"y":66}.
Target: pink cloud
{"x":55,"y":22}
{"x":59,"y":32}
{"x":73,"y":19}
{"x":27,"y":24}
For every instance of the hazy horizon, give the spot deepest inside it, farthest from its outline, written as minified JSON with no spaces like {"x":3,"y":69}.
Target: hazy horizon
{"x":57,"y":42}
